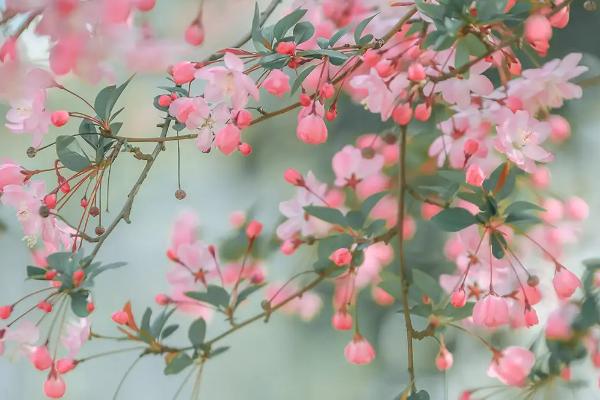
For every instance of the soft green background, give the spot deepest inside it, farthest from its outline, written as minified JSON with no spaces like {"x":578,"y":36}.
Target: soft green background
{"x":286,"y":359}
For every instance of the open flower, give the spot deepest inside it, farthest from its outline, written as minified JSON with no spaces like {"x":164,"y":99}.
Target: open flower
{"x":512,"y":366}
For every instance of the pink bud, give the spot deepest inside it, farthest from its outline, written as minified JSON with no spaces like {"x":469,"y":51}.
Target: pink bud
{"x":286,"y":48}
{"x":183,"y":72}
{"x":5,"y":312}
{"x":327,"y":90}
{"x":359,"y":351}
{"x":576,"y":208}
{"x":541,"y":177}
{"x":165,"y":100}
{"x":470,"y":147}
{"x":40,"y":358}
{"x":59,"y":118}
{"x":8,"y":51}
{"x":402,"y":114}
{"x":341,"y":257}
{"x":416,"y":72}
{"x":475,"y":175}
{"x":245,"y":149}
{"x":50,"y":200}
{"x":384,"y":68}
{"x":228,"y":139}
{"x":371,"y":58}
{"x":78,"y":277}
{"x":596,"y":358}
{"x":458,"y":298}
{"x":444,"y":359}
{"x":277,"y":83}
{"x":162,"y":299}
{"x":531,"y":317}
{"x":288,"y":247}
{"x":253,"y":229}
{"x":145,"y":5}
{"x":305,"y":100}
{"x":565,"y":374}
{"x":120,"y":317}
{"x":194,"y":34}
{"x":65,"y":365}
{"x":90,"y":307}
{"x":341,"y":320}
{"x":561,"y":129}
{"x":565,"y":282}
{"x":45,"y":306}
{"x":538,"y":32}
{"x":54,"y":387}
{"x":466,"y":395}
{"x":422,"y":112}
{"x":293,"y":177}
{"x":514,"y":103}
{"x":237,"y":219}
{"x":331,"y":114}
{"x":243,"y":119}
{"x":312,"y":130}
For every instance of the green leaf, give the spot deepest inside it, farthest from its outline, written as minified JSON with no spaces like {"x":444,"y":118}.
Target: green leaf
{"x":178,"y":364}
{"x":218,"y":351}
{"x":356,"y":219}
{"x":145,"y":332}
{"x":427,"y":284}
{"x":337,"y":36}
{"x":498,"y":245}
{"x":520,"y":206}
{"x":303,"y":31}
{"x":358,"y":31}
{"x":88,"y":132}
{"x":79,"y":303}
{"x":159,"y":322}
{"x":215,"y":295}
{"x":460,"y":313}
{"x":244,"y":294}
{"x":336,"y":57}
{"x":431,"y":10}
{"x":197,"y":332}
{"x":504,"y":189}
{"x":454,"y":219}
{"x":331,"y":215}
{"x":168,"y":331}
{"x":71,"y":154}
{"x":285,"y":23}
{"x":64,"y":262}
{"x":107,"y":98}
{"x":301,"y":77}
{"x":257,"y":37}
{"x":36,"y":273}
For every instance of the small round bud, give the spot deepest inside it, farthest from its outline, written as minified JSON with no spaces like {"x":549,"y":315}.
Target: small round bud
{"x":293,"y":177}
{"x":253,"y":229}
{"x":45,"y":306}
{"x":44,"y":211}
{"x":84,"y":202}
{"x":590,"y":5}
{"x":162,"y":299}
{"x":194,"y":34}
{"x":5,"y":312}
{"x":94,"y":211}
{"x":31,"y":152}
{"x":390,"y":138}
{"x":368,"y":153}
{"x":90,"y":307}
{"x":78,"y":277}
{"x":180,"y":194}
{"x":59,"y":118}
{"x":120,"y":317}
{"x":533,"y":280}
{"x":50,"y":200}
{"x":305,"y":100}
{"x":164,"y":100}
{"x":286,"y":48}
{"x":100,"y":230}
{"x":245,"y":149}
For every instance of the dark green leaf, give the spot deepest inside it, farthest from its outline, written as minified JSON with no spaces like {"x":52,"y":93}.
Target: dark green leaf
{"x":71,"y":154}
{"x":243,"y":295}
{"x":36,"y":273}
{"x":303,"y":31}
{"x":88,"y":132}
{"x":301,"y":77}
{"x":285,"y":23}
{"x":331,"y":215}
{"x":79,"y":303}
{"x":168,"y":331}
{"x":520,"y":206}
{"x":178,"y":364}
{"x":337,"y":36}
{"x":421,"y":394}
{"x":427,"y":284}
{"x":454,"y":219}
{"x":498,"y":245}
{"x":215,"y":295}
{"x":197,"y":332}
{"x":358,"y":31}
{"x":371,"y":202}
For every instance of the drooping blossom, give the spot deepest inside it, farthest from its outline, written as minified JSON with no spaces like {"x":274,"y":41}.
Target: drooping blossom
{"x":359,"y":351}
{"x":512,"y":366}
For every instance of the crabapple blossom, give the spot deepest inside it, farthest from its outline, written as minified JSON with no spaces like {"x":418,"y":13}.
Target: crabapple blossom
{"x":341,"y":257}
{"x":359,"y":351}
{"x":351,"y":167}
{"x":312,"y":130}
{"x":565,"y":282}
{"x":512,"y":365}
{"x":491,"y":311}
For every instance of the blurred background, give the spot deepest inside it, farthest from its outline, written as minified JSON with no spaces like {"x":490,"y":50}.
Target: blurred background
{"x":287,"y":358}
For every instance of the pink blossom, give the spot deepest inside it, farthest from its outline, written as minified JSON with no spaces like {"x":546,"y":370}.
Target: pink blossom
{"x":228,"y":83}
{"x":520,"y":138}
{"x":10,"y":174}
{"x":444,"y":359}
{"x":558,"y":324}
{"x":277,"y":83}
{"x":40,"y":358}
{"x":228,"y":139}
{"x":312,"y":130}
{"x":29,"y":116}
{"x":459,"y":91}
{"x":359,"y":351}
{"x":538,"y":33}
{"x":561,"y":129}
{"x":341,"y":257}
{"x":575,"y":207}
{"x":306,"y":306}
{"x":512,"y":366}
{"x":381,"y":95}
{"x":491,"y":311}
{"x":342,"y":320}
{"x":475,"y":175}
{"x":565,"y":282}
{"x":194,"y":34}
{"x":75,"y":335}
{"x":351,"y":167}
{"x":54,"y":387}
{"x":183,"y":72}
{"x":298,"y":222}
